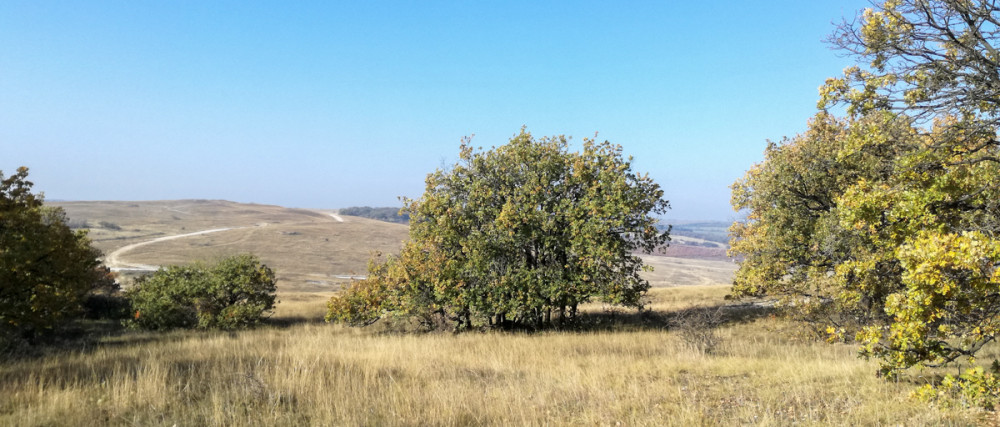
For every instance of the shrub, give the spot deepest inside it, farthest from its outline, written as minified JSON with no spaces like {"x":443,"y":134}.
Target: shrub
{"x":697,"y":327}
{"x":234,"y":293}
{"x":109,"y":225}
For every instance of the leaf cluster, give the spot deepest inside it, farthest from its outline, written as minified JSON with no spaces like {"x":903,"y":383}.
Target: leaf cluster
{"x":923,"y":57}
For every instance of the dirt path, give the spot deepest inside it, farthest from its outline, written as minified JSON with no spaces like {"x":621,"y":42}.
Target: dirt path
{"x":114,"y":262}
{"x":337,"y":217}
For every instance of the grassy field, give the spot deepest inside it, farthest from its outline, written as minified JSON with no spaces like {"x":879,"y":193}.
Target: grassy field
{"x":617,"y":369}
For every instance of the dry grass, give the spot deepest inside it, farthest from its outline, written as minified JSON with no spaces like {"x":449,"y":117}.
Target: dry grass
{"x":308,"y":249}
{"x":675,"y":271}
{"x":301,"y":372}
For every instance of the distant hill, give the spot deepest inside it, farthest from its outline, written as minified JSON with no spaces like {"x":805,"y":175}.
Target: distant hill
{"x":712,"y":231}
{"x":310,"y":250}
{"x":381,"y":214}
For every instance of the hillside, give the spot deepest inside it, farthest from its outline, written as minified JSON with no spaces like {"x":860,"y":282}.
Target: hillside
{"x":310,"y":250}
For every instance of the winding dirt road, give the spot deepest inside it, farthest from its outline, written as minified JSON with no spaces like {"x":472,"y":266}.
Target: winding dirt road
{"x":114,"y":262}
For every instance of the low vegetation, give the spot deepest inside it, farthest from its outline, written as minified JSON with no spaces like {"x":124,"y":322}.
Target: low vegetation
{"x":627,"y":369}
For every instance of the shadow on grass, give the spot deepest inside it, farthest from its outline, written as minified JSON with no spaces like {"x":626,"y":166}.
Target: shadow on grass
{"x":88,"y":335}
{"x":285,"y":322}
{"x":711,"y":316}
{"x":82,"y":336}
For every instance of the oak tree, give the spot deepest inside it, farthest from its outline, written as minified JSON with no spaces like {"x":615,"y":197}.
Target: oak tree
{"x":46,"y":269}
{"x":517,"y":236}
{"x":886,"y":224}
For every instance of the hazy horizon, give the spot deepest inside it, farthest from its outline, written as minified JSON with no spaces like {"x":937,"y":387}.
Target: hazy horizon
{"x":327,"y":106}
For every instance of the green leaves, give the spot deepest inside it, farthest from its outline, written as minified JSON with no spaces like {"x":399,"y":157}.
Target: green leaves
{"x":46,"y":269}
{"x":520,"y":234}
{"x":233,"y":293}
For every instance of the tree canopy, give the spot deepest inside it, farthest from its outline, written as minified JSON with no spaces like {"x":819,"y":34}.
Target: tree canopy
{"x":885,"y":225}
{"x":517,"y":236}
{"x":46,"y":269}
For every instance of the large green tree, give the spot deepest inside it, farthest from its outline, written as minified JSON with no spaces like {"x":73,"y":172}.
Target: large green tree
{"x":517,"y":236}
{"x":46,"y":269}
{"x":885,"y":225}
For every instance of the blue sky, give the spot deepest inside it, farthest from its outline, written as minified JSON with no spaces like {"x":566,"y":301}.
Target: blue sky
{"x":334,"y":104}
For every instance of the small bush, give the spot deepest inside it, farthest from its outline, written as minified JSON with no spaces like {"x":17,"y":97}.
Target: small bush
{"x":697,"y":327}
{"x":234,"y":293}
{"x":109,"y":225}
{"x":76,"y":224}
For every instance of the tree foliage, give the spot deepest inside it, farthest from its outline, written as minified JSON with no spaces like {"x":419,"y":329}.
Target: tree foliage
{"x":885,"y":225}
{"x":46,"y":269}
{"x":517,"y":236}
{"x":922,"y":58}
{"x":236,"y":292}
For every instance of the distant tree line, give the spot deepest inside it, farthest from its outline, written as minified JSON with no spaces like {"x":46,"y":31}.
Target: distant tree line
{"x":382,"y":214}
{"x":77,"y":224}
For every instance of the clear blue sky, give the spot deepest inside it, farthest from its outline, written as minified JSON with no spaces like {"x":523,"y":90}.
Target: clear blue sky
{"x":333,"y":104}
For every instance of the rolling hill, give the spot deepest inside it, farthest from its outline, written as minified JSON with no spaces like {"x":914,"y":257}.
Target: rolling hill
{"x":310,"y":250}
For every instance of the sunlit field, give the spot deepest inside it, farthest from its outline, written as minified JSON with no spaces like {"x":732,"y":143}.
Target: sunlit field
{"x":616,"y":369}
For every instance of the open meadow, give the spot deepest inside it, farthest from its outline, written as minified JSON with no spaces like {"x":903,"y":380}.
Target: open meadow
{"x":614,"y":369}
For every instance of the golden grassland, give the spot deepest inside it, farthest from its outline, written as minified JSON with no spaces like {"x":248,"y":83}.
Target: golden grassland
{"x":308,"y":249}
{"x":299,"y":371}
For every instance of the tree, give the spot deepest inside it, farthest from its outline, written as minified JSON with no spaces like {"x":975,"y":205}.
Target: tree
{"x":793,"y":240}
{"x":46,"y":269}
{"x":517,"y":236}
{"x":922,"y":58}
{"x":236,"y":292}
{"x":885,"y":225}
